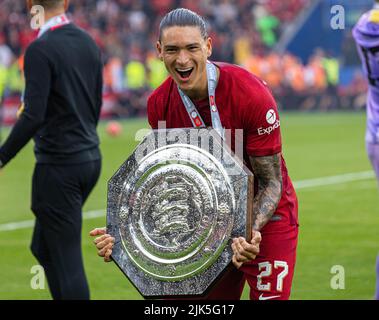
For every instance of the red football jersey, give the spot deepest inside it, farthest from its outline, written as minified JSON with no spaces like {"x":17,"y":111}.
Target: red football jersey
{"x":244,"y":102}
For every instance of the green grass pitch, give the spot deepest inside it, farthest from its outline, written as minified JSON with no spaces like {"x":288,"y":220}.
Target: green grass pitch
{"x":339,"y":222}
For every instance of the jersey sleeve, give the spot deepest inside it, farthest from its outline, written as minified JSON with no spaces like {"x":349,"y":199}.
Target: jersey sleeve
{"x":261,"y":123}
{"x":152,"y":111}
{"x":38,"y":76}
{"x":156,"y":106}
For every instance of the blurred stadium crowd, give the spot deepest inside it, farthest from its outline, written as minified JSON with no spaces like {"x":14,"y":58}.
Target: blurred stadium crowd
{"x":243,"y":31}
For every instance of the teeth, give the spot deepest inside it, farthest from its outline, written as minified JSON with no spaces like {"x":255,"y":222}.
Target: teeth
{"x":184,"y":70}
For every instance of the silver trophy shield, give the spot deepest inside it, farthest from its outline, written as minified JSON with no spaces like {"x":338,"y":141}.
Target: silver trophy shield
{"x":173,"y":207}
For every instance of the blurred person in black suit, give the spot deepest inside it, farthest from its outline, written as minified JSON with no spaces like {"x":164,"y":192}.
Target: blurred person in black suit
{"x":60,"y":111}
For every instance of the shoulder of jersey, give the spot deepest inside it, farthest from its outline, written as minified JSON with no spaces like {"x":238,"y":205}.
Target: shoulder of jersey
{"x":164,"y":88}
{"x":37,"y":45}
{"x":160,"y":94}
{"x":246,"y":77}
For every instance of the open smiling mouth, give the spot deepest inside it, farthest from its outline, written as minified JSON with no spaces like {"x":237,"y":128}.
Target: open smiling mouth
{"x":184,"y":73}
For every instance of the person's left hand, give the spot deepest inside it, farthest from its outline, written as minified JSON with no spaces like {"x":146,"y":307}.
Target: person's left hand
{"x":104,"y":243}
{"x":244,"y":251}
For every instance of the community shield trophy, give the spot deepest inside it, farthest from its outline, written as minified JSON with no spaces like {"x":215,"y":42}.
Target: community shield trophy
{"x":173,"y":207}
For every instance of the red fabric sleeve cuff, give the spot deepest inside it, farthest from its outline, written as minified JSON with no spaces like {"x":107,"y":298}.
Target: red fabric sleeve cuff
{"x":264,"y":152}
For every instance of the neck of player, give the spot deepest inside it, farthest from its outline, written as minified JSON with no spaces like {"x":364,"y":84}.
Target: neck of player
{"x":200,"y":92}
{"x":53,"y":13}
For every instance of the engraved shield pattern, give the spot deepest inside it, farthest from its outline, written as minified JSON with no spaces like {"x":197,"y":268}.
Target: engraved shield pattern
{"x":173,"y":216}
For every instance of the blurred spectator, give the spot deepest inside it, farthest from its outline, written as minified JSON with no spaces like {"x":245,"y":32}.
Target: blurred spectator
{"x":6,"y":55}
{"x":266,"y":24}
{"x":113,"y":75}
{"x":157,"y":72}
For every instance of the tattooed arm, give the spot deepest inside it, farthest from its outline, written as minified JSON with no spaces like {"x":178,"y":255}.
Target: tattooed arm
{"x":267,"y":171}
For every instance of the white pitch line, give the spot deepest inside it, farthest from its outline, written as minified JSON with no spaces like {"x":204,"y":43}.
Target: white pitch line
{"x":326,"y":181}
{"x":30,"y":223}
{"x":302,"y":184}
{"x":17,"y":225}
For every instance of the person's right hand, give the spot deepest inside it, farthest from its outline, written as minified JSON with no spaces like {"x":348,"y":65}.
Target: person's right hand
{"x":104,"y":243}
{"x":244,"y":251}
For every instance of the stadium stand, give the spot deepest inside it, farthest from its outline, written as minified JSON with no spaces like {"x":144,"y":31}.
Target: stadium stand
{"x":244,"y":32}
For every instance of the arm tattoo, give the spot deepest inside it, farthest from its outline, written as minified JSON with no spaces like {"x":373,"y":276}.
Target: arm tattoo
{"x":267,"y":172}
